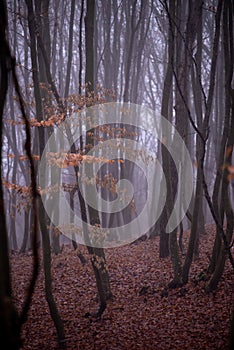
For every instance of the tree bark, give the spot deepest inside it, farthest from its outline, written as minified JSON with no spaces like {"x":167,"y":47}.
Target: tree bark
{"x":9,"y":322}
{"x":98,"y":256}
{"x":42,"y":215}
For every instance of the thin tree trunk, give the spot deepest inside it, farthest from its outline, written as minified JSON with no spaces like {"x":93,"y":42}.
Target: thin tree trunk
{"x":225,"y":209}
{"x":9,"y":323}
{"x":42,"y":215}
{"x":98,"y":256}
{"x":69,"y":60}
{"x":164,"y":237}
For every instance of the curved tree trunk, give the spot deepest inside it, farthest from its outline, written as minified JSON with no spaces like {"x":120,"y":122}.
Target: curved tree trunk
{"x":9,"y":322}
{"x":42,"y":215}
{"x":225,"y":209}
{"x":98,"y":256}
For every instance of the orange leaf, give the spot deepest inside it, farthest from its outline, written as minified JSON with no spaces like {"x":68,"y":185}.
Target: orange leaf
{"x":231,"y":169}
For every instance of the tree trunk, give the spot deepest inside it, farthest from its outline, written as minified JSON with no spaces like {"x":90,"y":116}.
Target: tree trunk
{"x":42,"y":215}
{"x":9,"y":322}
{"x":225,"y":210}
{"x":98,"y":256}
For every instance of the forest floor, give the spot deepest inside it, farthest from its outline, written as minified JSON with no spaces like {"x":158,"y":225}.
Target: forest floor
{"x":141,"y":315}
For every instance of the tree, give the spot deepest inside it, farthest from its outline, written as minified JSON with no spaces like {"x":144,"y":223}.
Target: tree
{"x":10,"y":321}
{"x":34,"y":36}
{"x":98,"y":255}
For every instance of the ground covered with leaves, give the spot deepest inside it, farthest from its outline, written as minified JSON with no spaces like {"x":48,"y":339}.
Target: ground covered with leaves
{"x":142,"y":314}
